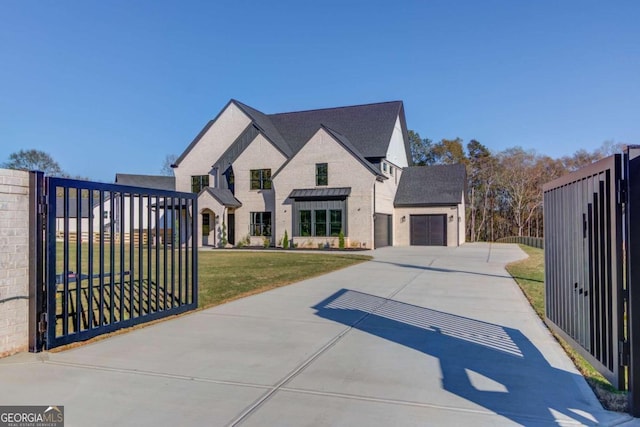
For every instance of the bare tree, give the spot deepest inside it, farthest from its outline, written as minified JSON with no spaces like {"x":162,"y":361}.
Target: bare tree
{"x":169,"y":160}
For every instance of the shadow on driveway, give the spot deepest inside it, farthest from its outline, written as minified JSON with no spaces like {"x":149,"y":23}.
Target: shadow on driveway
{"x":491,"y":365}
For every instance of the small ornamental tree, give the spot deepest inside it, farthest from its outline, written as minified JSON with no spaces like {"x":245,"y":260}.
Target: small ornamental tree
{"x":341,"y":239}
{"x":285,"y":240}
{"x":223,"y":235}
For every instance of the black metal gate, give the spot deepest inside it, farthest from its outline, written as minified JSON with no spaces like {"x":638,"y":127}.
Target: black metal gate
{"x":589,"y":247}
{"x":107,"y":257}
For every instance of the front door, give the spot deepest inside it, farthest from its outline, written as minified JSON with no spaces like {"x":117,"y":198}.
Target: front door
{"x":206,"y":228}
{"x":231,"y":229}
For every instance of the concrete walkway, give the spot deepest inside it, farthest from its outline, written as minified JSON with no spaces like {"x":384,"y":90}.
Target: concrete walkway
{"x":418,"y":336}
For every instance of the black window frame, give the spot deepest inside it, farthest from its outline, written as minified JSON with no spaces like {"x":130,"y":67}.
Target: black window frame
{"x":305,"y":226}
{"x":260,"y":179}
{"x":322,"y":174}
{"x":259,"y":225}
{"x":332,"y":223}
{"x":310,"y":222}
{"x":199,"y":182}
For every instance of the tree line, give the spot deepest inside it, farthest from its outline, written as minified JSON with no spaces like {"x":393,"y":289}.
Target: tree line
{"x":504,"y":189}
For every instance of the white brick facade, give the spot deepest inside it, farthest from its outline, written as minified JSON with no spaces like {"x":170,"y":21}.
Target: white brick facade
{"x":14,"y":261}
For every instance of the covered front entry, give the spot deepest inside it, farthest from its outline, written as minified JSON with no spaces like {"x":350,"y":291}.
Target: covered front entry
{"x":383,"y":227}
{"x":428,"y":230}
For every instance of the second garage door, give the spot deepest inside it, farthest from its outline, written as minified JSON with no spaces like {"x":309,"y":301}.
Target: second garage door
{"x":428,"y":230}
{"x":382,"y":236}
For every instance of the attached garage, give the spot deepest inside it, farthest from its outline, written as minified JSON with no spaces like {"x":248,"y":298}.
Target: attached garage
{"x":383,"y":227}
{"x":429,"y":206}
{"x":428,"y":230}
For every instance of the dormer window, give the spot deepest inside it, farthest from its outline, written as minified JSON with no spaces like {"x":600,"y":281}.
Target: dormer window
{"x":322,"y":174}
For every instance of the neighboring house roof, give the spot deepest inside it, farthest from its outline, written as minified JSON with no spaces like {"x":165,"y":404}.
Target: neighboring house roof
{"x":320,"y":193}
{"x":224,"y":196}
{"x":157,"y":182}
{"x":431,"y":185}
{"x":73,"y":207}
{"x":368,"y":128}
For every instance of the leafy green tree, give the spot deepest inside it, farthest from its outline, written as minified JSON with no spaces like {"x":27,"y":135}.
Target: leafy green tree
{"x":449,"y":152}
{"x":421,"y":149}
{"x":481,"y":174}
{"x":34,"y":160}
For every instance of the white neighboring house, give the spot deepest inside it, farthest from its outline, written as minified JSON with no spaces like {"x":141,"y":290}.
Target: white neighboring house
{"x":121,"y":213}
{"x":315,"y":174}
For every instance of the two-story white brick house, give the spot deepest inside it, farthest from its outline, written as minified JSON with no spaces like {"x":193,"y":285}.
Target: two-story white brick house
{"x":316,"y":173}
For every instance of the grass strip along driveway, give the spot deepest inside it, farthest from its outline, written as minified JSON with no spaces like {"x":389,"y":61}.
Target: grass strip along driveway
{"x":228,"y":275}
{"x":529,"y":273}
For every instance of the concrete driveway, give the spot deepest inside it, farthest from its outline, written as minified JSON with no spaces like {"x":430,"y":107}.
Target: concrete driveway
{"x":418,"y":336}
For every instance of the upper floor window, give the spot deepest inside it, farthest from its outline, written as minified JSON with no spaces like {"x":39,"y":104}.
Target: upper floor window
{"x":322,"y":174}
{"x":198,"y":182}
{"x":384,"y":167}
{"x":260,"y":179}
{"x":391,"y":170}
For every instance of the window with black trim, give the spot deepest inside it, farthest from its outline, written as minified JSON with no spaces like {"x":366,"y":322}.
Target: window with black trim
{"x":335,"y":222}
{"x":261,"y":179}
{"x":320,"y":222}
{"x":260,"y":224}
{"x":305,"y":223}
{"x":322,"y":174}
{"x":198,"y":182}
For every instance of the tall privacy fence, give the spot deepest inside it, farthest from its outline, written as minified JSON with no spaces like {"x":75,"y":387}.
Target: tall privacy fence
{"x":592,"y":275}
{"x":536,"y":242}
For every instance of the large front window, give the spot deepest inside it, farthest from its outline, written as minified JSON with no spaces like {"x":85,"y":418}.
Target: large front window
{"x":260,"y":224}
{"x":198,"y":182}
{"x":320,"y":222}
{"x":260,"y":179}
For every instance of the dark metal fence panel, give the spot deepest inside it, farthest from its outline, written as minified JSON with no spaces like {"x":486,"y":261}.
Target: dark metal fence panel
{"x":583,"y":263}
{"x":114,"y":256}
{"x":536,"y":242}
{"x":632,"y":235}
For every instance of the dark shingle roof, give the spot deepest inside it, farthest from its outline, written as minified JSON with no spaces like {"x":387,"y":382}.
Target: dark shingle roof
{"x":368,"y":127}
{"x":354,"y":151}
{"x":263,"y":123}
{"x":158,"y":182}
{"x":320,"y":193}
{"x":431,"y":185}
{"x":224,"y":196}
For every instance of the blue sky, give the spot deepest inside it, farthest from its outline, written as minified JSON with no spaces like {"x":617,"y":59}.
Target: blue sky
{"x":115,"y":86}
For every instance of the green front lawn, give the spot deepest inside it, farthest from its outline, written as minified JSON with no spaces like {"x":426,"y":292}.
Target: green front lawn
{"x":529,"y":274}
{"x":228,"y":275}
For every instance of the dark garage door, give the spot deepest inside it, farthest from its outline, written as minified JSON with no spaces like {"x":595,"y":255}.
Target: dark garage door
{"x":382,"y":236}
{"x":428,"y":230}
